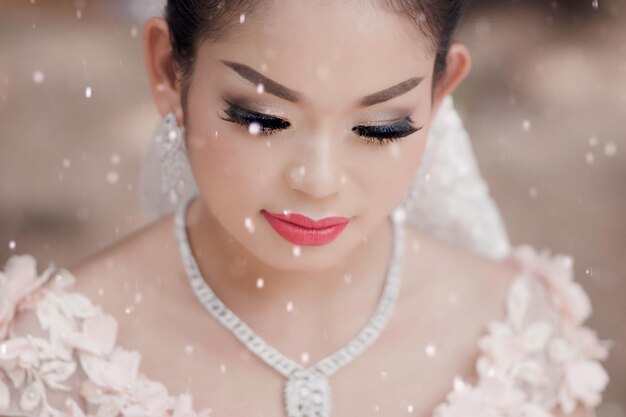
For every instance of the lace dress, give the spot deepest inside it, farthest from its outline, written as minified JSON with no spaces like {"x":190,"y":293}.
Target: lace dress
{"x":59,"y":357}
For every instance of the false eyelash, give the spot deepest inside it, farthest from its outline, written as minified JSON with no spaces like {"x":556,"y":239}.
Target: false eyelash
{"x":269,"y":124}
{"x":387,"y":133}
{"x":373,"y":134}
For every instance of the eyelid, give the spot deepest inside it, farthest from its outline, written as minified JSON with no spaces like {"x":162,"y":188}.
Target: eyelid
{"x":386,"y":122}
{"x":398,"y":115}
{"x":392,"y":115}
{"x":254,"y":107}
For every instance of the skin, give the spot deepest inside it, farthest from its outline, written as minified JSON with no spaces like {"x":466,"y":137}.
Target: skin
{"x":332,"y":65}
{"x":318,"y":167}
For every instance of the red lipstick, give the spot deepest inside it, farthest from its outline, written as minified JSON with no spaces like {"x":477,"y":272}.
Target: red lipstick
{"x":302,"y":230}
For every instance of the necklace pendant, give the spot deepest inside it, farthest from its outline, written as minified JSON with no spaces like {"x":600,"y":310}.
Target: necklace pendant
{"x":307,"y":394}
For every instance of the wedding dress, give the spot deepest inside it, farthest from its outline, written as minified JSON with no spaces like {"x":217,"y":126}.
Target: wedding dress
{"x":59,"y":354}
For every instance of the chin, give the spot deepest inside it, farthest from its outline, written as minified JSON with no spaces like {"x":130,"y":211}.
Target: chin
{"x":278,"y":253}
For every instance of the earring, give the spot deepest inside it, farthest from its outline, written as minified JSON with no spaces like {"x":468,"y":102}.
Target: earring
{"x":172,"y":153}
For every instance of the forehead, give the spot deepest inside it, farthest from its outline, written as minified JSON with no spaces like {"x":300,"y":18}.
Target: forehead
{"x":325,"y":49}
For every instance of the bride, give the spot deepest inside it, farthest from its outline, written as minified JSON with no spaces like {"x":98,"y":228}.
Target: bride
{"x":324,"y":245}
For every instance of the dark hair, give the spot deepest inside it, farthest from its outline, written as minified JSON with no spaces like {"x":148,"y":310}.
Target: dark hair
{"x":193,"y":21}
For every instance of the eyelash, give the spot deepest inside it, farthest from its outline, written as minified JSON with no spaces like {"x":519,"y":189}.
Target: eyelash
{"x":245,"y":118}
{"x":374,"y":134}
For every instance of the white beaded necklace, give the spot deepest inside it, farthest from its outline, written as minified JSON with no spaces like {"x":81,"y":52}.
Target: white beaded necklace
{"x":307,"y":390}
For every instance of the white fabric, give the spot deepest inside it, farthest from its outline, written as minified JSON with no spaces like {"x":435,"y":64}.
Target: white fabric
{"x":448,"y":197}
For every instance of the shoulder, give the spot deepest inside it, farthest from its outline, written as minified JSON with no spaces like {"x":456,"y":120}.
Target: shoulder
{"x":59,"y":351}
{"x":458,"y":271}
{"x":446,"y":287}
{"x":142,"y":248}
{"x":20,"y":287}
{"x":555,"y":273}
{"x":543,"y":350}
{"x":142,"y":254}
{"x":540,"y":358}
{"x":142,"y":261}
{"x":37,"y":320}
{"x":57,"y":334}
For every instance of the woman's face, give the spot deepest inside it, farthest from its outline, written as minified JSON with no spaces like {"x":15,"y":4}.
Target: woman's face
{"x":334,"y":81}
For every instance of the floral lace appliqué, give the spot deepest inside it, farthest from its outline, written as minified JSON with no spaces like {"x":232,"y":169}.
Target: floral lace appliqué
{"x":540,"y":356}
{"x":75,"y":332}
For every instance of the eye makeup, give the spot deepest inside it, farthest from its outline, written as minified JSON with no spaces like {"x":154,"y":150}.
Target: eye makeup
{"x":387,"y":133}
{"x":237,"y":113}
{"x":242,"y":116}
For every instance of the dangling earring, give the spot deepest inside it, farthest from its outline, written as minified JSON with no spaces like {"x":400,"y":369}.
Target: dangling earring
{"x":170,"y":142}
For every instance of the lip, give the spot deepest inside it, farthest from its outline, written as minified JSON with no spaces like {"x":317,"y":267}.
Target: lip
{"x":302,"y":230}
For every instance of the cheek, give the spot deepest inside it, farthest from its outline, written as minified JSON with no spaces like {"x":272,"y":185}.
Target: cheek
{"x":223,"y":160}
{"x":391,"y":173}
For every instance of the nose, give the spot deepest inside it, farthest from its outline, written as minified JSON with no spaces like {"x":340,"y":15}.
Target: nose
{"x":316,"y":172}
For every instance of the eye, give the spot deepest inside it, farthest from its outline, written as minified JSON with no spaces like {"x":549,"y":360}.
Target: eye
{"x":270,"y":125}
{"x":241,"y":116}
{"x":387,"y":133}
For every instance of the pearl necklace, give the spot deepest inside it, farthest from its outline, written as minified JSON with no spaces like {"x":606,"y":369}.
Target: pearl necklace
{"x":307,"y":390}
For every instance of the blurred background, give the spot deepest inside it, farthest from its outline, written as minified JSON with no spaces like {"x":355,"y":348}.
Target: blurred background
{"x":545,"y":106}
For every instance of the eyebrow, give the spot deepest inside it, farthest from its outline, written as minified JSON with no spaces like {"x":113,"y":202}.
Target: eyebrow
{"x":279,"y":90}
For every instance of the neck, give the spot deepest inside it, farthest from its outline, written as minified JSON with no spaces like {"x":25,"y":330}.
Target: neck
{"x":232,"y":272}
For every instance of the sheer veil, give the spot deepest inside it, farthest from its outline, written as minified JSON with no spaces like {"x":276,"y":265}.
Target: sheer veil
{"x":448,"y":197}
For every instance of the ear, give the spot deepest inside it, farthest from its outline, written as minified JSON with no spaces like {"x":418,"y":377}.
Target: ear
{"x":458,"y":66}
{"x":162,"y":72}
